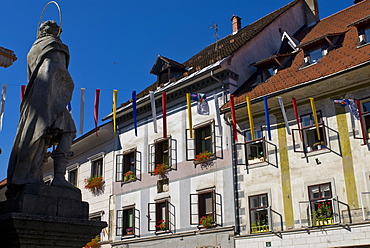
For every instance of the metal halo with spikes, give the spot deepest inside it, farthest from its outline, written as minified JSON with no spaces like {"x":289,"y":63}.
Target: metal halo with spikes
{"x":42,"y":14}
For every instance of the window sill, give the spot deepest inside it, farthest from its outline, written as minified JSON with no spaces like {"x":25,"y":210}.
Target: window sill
{"x":205,"y":161}
{"x":316,"y":152}
{"x":160,"y":232}
{"x":128,"y":236}
{"x":362,"y":45}
{"x":128,"y":181}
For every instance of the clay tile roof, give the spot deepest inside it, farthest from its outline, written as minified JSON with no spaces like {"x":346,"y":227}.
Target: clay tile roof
{"x":224,"y":47}
{"x":231,"y":43}
{"x":3,"y":182}
{"x":347,"y":55}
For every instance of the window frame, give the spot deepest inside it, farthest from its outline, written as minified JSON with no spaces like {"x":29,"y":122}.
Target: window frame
{"x":124,"y":161}
{"x":316,"y":202}
{"x":155,"y":215}
{"x":155,"y":158}
{"x":193,"y":146}
{"x":300,"y":136}
{"x":364,"y":34}
{"x":198,"y":207}
{"x":122,"y":225}
{"x":365,"y":120}
{"x":259,"y":142}
{"x":73,"y":169}
{"x":257,"y":227}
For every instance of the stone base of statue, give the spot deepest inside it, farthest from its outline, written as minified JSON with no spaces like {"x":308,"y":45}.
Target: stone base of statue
{"x":46,"y":216}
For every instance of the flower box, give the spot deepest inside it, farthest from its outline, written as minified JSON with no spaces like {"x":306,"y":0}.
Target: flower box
{"x":161,"y":170}
{"x":204,"y":157}
{"x":94,"y":184}
{"x":94,"y":243}
{"x":129,"y":176}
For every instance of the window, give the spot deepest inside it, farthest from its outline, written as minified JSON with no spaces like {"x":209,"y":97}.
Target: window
{"x":205,"y":209}
{"x":255,"y":148}
{"x":308,"y":134}
{"x":321,"y":204}
{"x":126,"y":166}
{"x":259,"y":213}
{"x":48,"y":179}
{"x":72,"y":176}
{"x":364,"y":35}
{"x":203,"y":143}
{"x":163,"y":151}
{"x":97,"y":168}
{"x":126,"y":221}
{"x":161,"y":216}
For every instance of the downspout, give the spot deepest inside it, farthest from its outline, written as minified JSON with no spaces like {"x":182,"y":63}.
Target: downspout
{"x":234,"y":164}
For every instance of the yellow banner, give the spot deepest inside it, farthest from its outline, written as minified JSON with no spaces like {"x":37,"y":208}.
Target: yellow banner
{"x":115,"y":92}
{"x":315,"y":117}
{"x":190,"y":119}
{"x":251,"y":124}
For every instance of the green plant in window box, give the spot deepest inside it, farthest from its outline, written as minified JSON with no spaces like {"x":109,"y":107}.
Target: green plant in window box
{"x":319,"y":144}
{"x":161,"y":225}
{"x":323,"y":215}
{"x":94,"y":184}
{"x":260,"y":225}
{"x":129,"y":176}
{"x":206,"y":221}
{"x":203,"y":157}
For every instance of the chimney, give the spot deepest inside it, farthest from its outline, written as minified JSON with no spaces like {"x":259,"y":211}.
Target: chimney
{"x":236,"y":23}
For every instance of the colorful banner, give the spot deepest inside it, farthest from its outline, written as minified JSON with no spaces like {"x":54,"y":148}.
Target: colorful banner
{"x":164,"y":114}
{"x":115,"y":93}
{"x":351,"y":105}
{"x":233,"y":117}
{"x":82,"y":110}
{"x":134,"y":111}
{"x":23,"y":90}
{"x":313,"y":107}
{"x":284,"y":115}
{"x":250,"y":117}
{"x":218,"y":116}
{"x":2,"y":105}
{"x":154,"y":111}
{"x":190,"y":119}
{"x":267,"y":117}
{"x":363,"y":130}
{"x":96,"y":110}
{"x":202,"y":106}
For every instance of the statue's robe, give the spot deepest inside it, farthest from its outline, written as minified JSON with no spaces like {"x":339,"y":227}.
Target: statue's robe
{"x":44,"y":116}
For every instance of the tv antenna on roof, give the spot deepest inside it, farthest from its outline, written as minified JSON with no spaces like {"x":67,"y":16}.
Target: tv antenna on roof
{"x":215,"y":27}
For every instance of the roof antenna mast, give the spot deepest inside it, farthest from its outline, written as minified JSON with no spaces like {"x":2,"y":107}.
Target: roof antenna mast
{"x":215,"y":27}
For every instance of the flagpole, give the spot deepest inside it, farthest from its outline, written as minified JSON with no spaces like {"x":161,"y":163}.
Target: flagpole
{"x":164,"y":114}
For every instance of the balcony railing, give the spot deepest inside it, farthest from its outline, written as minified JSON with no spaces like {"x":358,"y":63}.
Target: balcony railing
{"x":321,"y":212}
{"x":272,"y":222}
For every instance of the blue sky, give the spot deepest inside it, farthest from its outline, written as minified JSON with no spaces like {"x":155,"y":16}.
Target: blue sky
{"x":114,"y":44}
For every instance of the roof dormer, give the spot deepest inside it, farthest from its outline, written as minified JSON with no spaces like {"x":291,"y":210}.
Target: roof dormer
{"x":363,"y":29}
{"x":167,"y":70}
{"x":317,"y":48}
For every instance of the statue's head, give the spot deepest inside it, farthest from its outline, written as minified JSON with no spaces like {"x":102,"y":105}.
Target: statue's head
{"x":49,"y":28}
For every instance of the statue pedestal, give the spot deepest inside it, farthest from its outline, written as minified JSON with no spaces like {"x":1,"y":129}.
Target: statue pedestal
{"x":46,"y":216}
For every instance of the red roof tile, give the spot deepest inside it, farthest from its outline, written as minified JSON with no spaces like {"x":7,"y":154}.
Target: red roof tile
{"x":338,"y":59}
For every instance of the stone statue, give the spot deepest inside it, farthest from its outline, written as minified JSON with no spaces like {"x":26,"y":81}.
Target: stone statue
{"x":44,"y":119}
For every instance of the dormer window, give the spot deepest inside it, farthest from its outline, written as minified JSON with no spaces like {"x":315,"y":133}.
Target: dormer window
{"x":316,"y":49}
{"x":364,"y":35}
{"x":363,"y":28}
{"x":314,"y":56}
